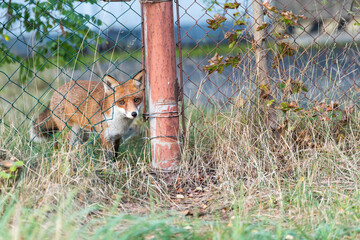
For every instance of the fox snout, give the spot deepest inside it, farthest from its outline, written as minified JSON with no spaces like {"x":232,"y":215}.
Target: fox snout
{"x":131,"y":114}
{"x":128,"y":113}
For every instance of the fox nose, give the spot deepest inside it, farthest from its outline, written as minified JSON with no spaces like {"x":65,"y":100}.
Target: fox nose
{"x":134,"y":114}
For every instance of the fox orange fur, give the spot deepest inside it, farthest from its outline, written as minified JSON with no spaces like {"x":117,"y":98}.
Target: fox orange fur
{"x":107,"y":107}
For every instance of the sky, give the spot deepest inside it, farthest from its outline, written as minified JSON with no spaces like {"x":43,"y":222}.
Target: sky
{"x":128,"y":13}
{"x":191,"y":11}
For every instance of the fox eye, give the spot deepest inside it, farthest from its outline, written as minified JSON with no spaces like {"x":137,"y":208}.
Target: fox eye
{"x":122,"y":102}
{"x":137,"y":100}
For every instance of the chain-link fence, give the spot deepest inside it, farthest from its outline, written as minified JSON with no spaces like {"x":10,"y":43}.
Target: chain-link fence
{"x":45,"y":44}
{"x":310,"y":53}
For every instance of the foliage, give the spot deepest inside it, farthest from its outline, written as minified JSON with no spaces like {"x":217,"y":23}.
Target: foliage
{"x":275,"y":17}
{"x":281,"y":48}
{"x":216,"y":22}
{"x":10,"y":170}
{"x":59,"y":30}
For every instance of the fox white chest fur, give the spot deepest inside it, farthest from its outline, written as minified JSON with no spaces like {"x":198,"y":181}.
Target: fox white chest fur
{"x":118,"y":123}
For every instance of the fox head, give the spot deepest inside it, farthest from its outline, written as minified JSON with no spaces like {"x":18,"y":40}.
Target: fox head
{"x":125,"y":97}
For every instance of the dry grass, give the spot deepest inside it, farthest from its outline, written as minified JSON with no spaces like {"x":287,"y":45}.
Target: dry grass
{"x":234,"y":179}
{"x":238,"y":180}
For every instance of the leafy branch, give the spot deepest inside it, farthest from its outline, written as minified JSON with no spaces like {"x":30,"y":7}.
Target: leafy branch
{"x":59,"y":30}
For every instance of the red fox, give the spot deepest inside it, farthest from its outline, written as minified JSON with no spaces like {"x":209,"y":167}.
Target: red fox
{"x":107,"y":107}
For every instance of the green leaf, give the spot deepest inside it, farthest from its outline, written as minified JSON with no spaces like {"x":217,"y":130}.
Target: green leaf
{"x":284,"y":104}
{"x":5,"y":175}
{"x":37,"y":35}
{"x":233,"y":61}
{"x":282,"y":86}
{"x":263,"y":26}
{"x":264,"y":87}
{"x":277,"y":35}
{"x":234,"y":5}
{"x":295,"y":89}
{"x":287,"y":21}
{"x":239,"y":23}
{"x":19,"y":163}
{"x":238,"y":32}
{"x":6,"y":37}
{"x":216,"y":22}
{"x":270,"y":102}
{"x":220,"y":68}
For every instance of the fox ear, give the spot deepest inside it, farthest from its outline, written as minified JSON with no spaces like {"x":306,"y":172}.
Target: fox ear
{"x":138,"y":78}
{"x":110,"y":83}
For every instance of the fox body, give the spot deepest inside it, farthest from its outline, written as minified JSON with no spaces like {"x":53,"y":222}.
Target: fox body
{"x":107,"y":107}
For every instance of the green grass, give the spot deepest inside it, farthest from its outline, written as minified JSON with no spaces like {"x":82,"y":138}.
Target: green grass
{"x":187,"y":52}
{"x":67,"y":220}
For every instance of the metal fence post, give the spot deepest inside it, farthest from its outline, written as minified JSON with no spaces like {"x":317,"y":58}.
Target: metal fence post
{"x":162,"y":84}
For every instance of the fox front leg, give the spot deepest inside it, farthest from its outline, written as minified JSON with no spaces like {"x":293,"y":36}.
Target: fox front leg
{"x":109,"y":148}
{"x":116,"y":147}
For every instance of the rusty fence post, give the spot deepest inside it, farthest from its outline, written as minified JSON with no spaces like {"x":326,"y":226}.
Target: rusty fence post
{"x":161,"y":84}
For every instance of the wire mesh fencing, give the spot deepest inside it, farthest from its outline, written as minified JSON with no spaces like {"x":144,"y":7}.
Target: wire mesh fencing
{"x":45,"y":44}
{"x":309,"y":50}
{"x":309,"y":54}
